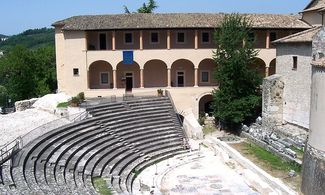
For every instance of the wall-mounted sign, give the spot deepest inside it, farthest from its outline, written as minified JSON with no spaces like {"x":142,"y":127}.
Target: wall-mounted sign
{"x":127,"y":57}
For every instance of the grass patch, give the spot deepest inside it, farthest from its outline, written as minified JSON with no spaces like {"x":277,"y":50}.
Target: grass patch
{"x":101,"y":186}
{"x":272,"y":160}
{"x":63,"y":105}
{"x":299,"y":151}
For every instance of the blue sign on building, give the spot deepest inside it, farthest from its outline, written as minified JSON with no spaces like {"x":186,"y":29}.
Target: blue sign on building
{"x":127,"y":57}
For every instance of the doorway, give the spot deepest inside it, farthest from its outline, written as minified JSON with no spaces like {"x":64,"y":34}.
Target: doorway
{"x":180,"y":78}
{"x":128,"y":81}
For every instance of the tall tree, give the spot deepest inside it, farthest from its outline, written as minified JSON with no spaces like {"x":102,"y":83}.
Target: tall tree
{"x":28,"y":73}
{"x":146,"y":8}
{"x":238,"y":99}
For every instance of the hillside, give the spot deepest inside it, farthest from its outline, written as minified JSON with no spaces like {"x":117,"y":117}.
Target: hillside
{"x":3,"y":36}
{"x":32,"y":39}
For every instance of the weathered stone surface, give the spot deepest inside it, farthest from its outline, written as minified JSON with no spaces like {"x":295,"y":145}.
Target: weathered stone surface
{"x":313,"y":174}
{"x":273,"y":99}
{"x":25,"y":104}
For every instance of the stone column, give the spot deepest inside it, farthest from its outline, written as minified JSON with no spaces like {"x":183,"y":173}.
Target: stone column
{"x":267,"y":46}
{"x":141,"y":40}
{"x":113,"y":41}
{"x":114,"y":80}
{"x":168,"y":39}
{"x":196,"y":40}
{"x":141,"y":78}
{"x":196,"y":77}
{"x":169,"y":78}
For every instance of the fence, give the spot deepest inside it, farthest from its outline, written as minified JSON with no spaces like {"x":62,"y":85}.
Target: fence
{"x":12,"y":147}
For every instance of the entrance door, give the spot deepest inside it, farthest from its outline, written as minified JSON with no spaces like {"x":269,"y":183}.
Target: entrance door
{"x":180,"y":78}
{"x":129,"y":81}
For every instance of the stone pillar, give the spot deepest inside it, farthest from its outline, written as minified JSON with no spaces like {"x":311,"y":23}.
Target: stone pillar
{"x":113,"y":41}
{"x":267,"y":70}
{"x":168,"y":39}
{"x":267,"y":46}
{"x":141,"y":40}
{"x":196,"y":77}
{"x":196,"y":39}
{"x":114,"y":80}
{"x":313,"y":172}
{"x":141,"y":78}
{"x":169,"y":78}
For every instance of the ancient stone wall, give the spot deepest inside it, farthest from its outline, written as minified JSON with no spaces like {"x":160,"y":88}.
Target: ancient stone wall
{"x":297,"y":82}
{"x":272,"y":109}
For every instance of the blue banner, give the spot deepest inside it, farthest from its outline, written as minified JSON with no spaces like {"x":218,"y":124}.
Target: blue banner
{"x":127,"y":57}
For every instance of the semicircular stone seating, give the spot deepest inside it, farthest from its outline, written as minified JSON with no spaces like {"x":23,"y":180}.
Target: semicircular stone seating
{"x":116,"y":143}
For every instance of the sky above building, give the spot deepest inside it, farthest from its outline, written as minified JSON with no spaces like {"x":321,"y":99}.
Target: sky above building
{"x":19,"y":15}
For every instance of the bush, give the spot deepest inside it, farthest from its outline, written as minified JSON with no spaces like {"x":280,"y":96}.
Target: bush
{"x":75,"y":101}
{"x":81,"y":96}
{"x":63,"y":105}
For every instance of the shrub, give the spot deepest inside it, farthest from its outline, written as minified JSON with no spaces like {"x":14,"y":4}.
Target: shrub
{"x":63,"y":105}
{"x":75,"y":101}
{"x":81,"y":96}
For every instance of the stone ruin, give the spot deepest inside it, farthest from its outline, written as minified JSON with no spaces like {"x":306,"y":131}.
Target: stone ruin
{"x":270,"y":131}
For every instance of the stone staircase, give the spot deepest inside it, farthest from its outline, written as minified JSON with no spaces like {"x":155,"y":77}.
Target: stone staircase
{"x":120,"y":140}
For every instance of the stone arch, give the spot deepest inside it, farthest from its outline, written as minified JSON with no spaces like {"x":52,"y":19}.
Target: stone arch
{"x":100,"y":75}
{"x":187,"y":68}
{"x":206,"y":72}
{"x":121,"y":71}
{"x":155,"y":73}
{"x":272,"y":67}
{"x":258,"y":65}
{"x":205,"y":103}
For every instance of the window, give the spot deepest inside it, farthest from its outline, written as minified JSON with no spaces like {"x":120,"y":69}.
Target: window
{"x":272,"y":36}
{"x":76,"y":72}
{"x":154,"y":37}
{"x":104,"y":78}
{"x":102,"y":41}
{"x":180,"y":37}
{"x":205,"y":37}
{"x":128,"y":38}
{"x":295,"y":63}
{"x":205,"y":77}
{"x":251,"y":37}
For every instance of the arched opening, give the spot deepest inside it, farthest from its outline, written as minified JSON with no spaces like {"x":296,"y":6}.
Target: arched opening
{"x":182,"y":73}
{"x":272,"y":68}
{"x":100,"y":75}
{"x":205,"y":105}
{"x":155,"y":74}
{"x":205,"y":74}
{"x":128,"y":75}
{"x":259,"y":66}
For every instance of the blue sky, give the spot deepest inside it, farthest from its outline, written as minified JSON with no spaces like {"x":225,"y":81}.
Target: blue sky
{"x":19,"y":15}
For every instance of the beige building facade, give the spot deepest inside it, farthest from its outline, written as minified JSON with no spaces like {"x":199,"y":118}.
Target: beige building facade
{"x":167,"y":51}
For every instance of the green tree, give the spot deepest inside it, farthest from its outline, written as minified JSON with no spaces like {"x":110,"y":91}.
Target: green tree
{"x":146,"y":8}
{"x":238,"y":99}
{"x":28,"y":73}
{"x":3,"y":96}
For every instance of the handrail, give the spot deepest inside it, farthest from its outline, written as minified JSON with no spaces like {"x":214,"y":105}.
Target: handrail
{"x":179,"y":119}
{"x":14,"y":146}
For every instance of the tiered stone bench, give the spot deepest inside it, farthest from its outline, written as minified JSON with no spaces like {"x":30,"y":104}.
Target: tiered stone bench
{"x":118,"y":141}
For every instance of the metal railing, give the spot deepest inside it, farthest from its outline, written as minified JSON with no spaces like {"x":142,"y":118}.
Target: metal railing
{"x":11,"y":148}
{"x":167,"y":93}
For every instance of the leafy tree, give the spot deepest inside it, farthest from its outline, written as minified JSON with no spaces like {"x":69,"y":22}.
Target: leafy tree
{"x":28,"y":73}
{"x":146,"y":8}
{"x":3,"y":96}
{"x":238,"y":99}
